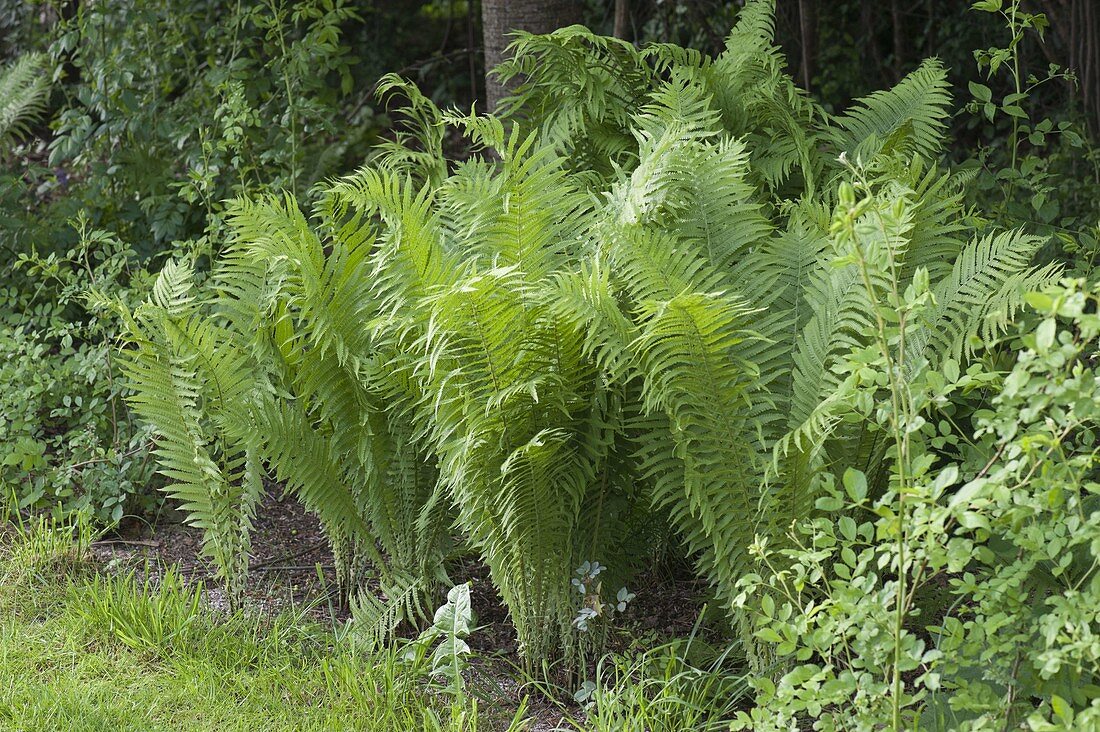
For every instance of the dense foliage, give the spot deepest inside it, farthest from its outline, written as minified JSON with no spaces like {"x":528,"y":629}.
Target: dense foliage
{"x":663,"y":303}
{"x":111,"y":157}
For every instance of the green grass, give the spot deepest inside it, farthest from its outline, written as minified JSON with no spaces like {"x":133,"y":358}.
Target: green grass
{"x":676,"y":686}
{"x":81,"y":652}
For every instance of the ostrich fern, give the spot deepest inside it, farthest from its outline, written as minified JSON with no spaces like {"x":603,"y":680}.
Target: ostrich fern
{"x":521,"y":423}
{"x":188,"y":381}
{"x":630,"y":311}
{"x":23,"y":87}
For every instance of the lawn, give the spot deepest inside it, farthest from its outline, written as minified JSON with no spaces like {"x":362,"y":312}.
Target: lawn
{"x":85,"y":651}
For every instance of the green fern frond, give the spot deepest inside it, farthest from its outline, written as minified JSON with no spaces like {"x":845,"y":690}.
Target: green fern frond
{"x":760,"y":102}
{"x":185,"y":379}
{"x":687,"y":355}
{"x":976,"y":302}
{"x":306,"y":462}
{"x":782,"y":270}
{"x":937,"y":234}
{"x":722,"y":219}
{"x":24,"y":84}
{"x":669,"y":132}
{"x":417,"y":147}
{"x":578,"y":88}
{"x":907,"y":120}
{"x":378,"y":614}
{"x":842,"y":320}
{"x":586,"y":301}
{"x":333,"y":419}
{"x":172,"y":290}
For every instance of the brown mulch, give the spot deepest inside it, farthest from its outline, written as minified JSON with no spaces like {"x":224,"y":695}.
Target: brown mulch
{"x":291,"y":566}
{"x":290,"y":563}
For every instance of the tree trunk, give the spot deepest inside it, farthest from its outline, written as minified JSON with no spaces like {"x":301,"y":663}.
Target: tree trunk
{"x":1076,"y":26}
{"x":807,"y":28}
{"x":501,"y":17}
{"x":622,"y":20}
{"x":901,"y":39}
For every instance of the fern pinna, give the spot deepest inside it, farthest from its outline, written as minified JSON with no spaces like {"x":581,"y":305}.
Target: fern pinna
{"x":623,"y":311}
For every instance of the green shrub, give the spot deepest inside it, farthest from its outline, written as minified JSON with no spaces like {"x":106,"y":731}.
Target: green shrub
{"x":236,"y":97}
{"x":67,"y":440}
{"x":1005,"y":545}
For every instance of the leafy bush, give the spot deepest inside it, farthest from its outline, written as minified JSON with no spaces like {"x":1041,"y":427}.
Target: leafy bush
{"x":236,"y":97}
{"x":67,"y":441}
{"x":1003,"y":544}
{"x":1040,"y":172}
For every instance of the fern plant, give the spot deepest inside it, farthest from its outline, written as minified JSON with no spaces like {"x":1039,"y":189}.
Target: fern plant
{"x":328,"y":433}
{"x":23,"y":88}
{"x":734,"y":169}
{"x":255,"y":378}
{"x":522,"y":425}
{"x":628,"y":310}
{"x":188,"y":380}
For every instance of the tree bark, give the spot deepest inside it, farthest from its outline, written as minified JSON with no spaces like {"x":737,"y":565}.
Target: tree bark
{"x":901,"y":39}
{"x":807,"y":27}
{"x":501,"y":17}
{"x":1076,"y":26}
{"x":622,"y":20}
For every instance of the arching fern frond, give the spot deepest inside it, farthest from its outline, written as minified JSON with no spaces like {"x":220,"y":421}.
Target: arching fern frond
{"x":579,"y":90}
{"x":24,"y":84}
{"x":907,"y":120}
{"x":417,"y":146}
{"x":687,"y":356}
{"x":977,"y":300}
{"x":186,"y":379}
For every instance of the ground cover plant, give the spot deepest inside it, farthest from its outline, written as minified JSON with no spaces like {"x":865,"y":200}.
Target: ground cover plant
{"x":662,"y":316}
